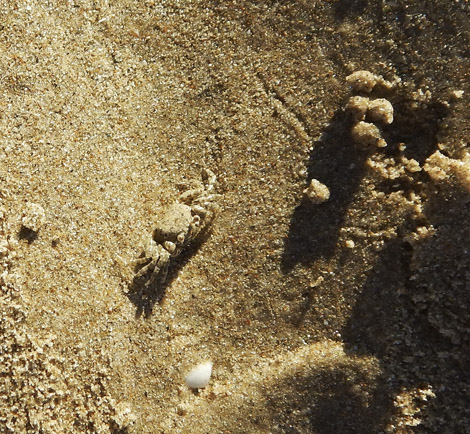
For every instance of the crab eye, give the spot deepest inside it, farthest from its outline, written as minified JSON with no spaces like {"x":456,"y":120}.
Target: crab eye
{"x":180,"y":238}
{"x":169,"y":246}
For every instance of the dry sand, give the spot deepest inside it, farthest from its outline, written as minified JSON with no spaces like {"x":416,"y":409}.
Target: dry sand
{"x":348,"y":316}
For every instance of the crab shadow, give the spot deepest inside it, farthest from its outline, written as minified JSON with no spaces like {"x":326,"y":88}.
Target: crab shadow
{"x":144,"y":298}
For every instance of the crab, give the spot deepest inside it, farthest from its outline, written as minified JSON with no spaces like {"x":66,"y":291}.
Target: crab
{"x":183,"y":222}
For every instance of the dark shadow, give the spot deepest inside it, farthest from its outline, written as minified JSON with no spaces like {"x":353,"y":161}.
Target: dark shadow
{"x":416,"y":126}
{"x":339,"y":164}
{"x":374,"y":315}
{"x":144,"y":299}
{"x":335,"y":162}
{"x":345,"y":8}
{"x":414,"y":315}
{"x":116,"y":429}
{"x":330,"y":401}
{"x":27,"y":234}
{"x":389,"y":321}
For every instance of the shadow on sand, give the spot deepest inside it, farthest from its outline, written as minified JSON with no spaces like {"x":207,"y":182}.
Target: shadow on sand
{"x":145,"y":298}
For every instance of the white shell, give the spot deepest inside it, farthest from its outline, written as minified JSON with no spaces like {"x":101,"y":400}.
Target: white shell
{"x":198,"y":377}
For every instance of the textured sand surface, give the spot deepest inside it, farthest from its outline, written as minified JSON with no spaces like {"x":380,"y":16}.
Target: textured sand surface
{"x":349,"y":315}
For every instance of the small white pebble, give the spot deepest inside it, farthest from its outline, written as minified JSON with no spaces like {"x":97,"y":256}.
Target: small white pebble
{"x":198,"y":377}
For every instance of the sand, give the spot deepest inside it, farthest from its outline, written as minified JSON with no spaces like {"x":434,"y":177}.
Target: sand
{"x":349,"y":315}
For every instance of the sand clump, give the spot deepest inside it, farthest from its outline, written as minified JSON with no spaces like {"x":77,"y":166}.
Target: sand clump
{"x":366,"y":81}
{"x":367,"y":133}
{"x":368,"y":114}
{"x":317,"y":192}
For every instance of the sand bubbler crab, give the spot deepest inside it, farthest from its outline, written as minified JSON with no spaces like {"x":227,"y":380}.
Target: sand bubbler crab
{"x":184,"y":222}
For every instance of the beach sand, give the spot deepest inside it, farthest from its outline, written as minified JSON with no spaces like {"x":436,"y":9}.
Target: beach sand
{"x":345,"y":316}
